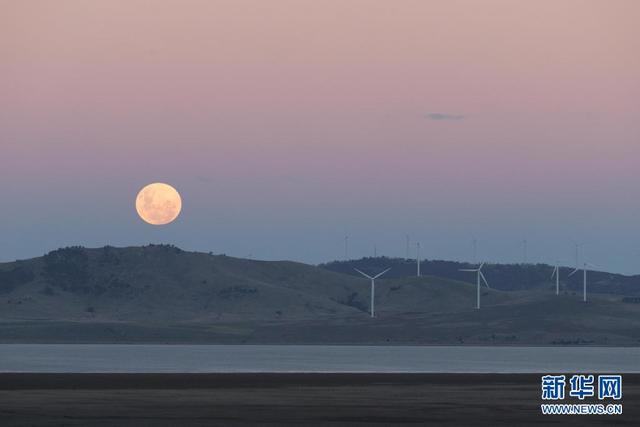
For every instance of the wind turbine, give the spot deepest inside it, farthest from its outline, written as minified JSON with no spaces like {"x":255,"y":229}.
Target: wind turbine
{"x":479,"y":276}
{"x":584,"y":278}
{"x":373,"y":286}
{"x":556,"y":272}
{"x":418,"y":257}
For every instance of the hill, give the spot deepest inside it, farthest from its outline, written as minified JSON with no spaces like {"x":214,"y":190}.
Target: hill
{"x":160,"y":293}
{"x":165,"y":283}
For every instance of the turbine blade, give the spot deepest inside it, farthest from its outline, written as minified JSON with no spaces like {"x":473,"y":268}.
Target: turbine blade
{"x":380,"y":274}
{"x":573,"y":272}
{"x":364,"y":274}
{"x":555,"y":271}
{"x":466,"y":269}
{"x":484,"y":279}
{"x":481,"y":265}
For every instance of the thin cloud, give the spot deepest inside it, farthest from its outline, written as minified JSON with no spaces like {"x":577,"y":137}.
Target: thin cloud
{"x":445,"y":116}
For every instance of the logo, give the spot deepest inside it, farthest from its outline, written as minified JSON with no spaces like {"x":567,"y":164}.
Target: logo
{"x":580,"y":386}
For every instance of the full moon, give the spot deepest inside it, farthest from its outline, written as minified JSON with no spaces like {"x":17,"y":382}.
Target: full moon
{"x":158,"y":203}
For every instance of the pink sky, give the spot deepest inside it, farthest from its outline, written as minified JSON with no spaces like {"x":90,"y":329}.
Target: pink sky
{"x":276,"y":118}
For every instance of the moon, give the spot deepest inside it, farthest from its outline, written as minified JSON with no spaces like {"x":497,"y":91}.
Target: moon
{"x":158,"y":203}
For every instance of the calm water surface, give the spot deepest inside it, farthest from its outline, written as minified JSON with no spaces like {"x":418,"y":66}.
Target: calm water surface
{"x":294,"y":358}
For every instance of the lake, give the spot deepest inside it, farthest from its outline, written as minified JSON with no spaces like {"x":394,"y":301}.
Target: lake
{"x":300,"y":358}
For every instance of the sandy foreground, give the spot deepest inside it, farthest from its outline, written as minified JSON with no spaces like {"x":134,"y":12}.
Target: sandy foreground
{"x":288,"y":399}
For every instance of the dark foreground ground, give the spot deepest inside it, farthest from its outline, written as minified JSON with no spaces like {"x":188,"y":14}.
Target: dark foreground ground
{"x":287,"y":399}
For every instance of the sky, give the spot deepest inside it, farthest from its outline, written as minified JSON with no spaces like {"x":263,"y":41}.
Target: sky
{"x":286,"y":125}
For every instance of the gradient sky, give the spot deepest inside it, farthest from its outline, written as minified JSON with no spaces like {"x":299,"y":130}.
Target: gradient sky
{"x":286,"y":124}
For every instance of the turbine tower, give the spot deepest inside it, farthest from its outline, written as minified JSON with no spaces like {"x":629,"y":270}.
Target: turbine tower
{"x":373,"y":287}
{"x":418,"y":257}
{"x":584,"y":278}
{"x":479,"y":276}
{"x":556,"y":272}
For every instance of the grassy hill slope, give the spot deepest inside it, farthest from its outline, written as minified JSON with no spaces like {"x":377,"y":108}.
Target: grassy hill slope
{"x":159,"y":293}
